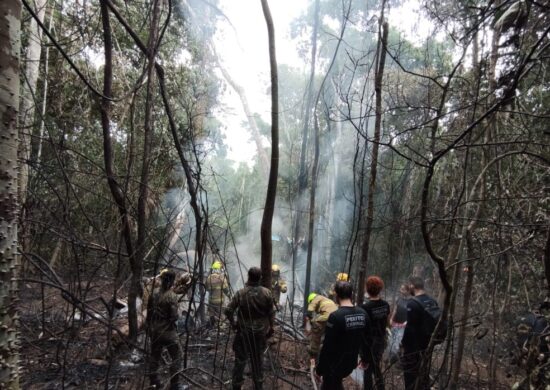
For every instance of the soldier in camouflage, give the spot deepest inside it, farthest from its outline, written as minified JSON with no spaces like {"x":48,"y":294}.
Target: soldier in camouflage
{"x":253,"y":306}
{"x":162,"y":314}
{"x":318,"y":310}
{"x":217,"y":287}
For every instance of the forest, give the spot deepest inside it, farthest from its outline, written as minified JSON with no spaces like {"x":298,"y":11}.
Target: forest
{"x":394,"y":138}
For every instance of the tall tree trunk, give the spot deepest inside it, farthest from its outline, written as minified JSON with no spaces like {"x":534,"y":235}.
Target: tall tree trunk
{"x":269,"y":209}
{"x":10,"y":42}
{"x":311,"y":225}
{"x":44,"y":91}
{"x":28,"y":94}
{"x":381,"y":61}
{"x":302,"y":172}
{"x":136,"y":288}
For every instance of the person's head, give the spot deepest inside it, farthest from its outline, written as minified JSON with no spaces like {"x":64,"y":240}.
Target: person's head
{"x":374,"y":286}
{"x":343,"y":291}
{"x":405,"y":290}
{"x":167,"y":278}
{"x":311,"y":297}
{"x":275,"y":270}
{"x":416,"y":284}
{"x":217,"y":266}
{"x":254,"y":276}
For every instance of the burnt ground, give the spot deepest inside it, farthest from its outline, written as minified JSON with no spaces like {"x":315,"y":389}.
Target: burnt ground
{"x":61,"y":352}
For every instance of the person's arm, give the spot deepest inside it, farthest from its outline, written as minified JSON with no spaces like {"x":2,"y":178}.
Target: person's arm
{"x":230,"y":310}
{"x":329,"y":346}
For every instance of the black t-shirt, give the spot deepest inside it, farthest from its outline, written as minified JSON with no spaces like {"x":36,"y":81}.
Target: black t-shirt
{"x":378,"y":312}
{"x":414,"y":337}
{"x":400,"y":315}
{"x":344,"y":337}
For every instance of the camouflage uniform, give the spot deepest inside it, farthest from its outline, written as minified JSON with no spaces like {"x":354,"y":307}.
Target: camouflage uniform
{"x":278,"y":286}
{"x":254,"y":308}
{"x":318,"y":312}
{"x":162,"y":314}
{"x":217,"y":286}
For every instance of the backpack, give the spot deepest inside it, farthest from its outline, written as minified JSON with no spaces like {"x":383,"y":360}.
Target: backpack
{"x":432,"y":314}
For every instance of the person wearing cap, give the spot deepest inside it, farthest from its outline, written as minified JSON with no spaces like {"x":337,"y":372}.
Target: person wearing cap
{"x":341,"y":277}
{"x":162,"y":315}
{"x":278,"y":284}
{"x":217,"y":287}
{"x":318,"y":310}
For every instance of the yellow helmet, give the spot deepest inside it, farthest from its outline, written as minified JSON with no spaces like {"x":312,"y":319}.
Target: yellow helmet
{"x":162,"y":271}
{"x":217,"y":265}
{"x":342,"y":277}
{"x":311,"y":297}
{"x":275,"y":268}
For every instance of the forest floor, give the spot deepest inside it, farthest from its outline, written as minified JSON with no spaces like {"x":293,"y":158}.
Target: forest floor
{"x":59,"y":351}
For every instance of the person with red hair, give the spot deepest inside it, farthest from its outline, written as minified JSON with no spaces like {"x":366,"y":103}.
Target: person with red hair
{"x":378,"y":314}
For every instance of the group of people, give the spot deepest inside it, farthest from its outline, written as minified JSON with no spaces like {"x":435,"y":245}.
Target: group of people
{"x":363,"y":332}
{"x":343,"y":336}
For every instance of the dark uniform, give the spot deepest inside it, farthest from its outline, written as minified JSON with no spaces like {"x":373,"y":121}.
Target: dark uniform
{"x":415,"y":342}
{"x":162,"y":314}
{"x":253,"y":305}
{"x":344,"y":338}
{"x":378,"y":312}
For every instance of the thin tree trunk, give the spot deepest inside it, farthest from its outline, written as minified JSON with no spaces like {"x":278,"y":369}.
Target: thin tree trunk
{"x":136,"y":288}
{"x":114,"y":186}
{"x":302,"y":171}
{"x":44,"y":93}
{"x":269,"y":209}
{"x":10,"y":41}
{"x":28,"y":92}
{"x":311,"y":225}
{"x":381,"y":61}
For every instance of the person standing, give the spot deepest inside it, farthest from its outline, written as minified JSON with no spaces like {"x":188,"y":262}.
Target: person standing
{"x":415,"y":338}
{"x":344,"y":339}
{"x":398,"y":321}
{"x":162,"y":314}
{"x":217,"y":287}
{"x":254,"y":308}
{"x":278,"y":284}
{"x":318,"y":310}
{"x":378,"y":312}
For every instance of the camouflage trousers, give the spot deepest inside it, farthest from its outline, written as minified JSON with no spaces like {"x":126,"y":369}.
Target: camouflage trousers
{"x":248,"y":345}
{"x":168,"y":340}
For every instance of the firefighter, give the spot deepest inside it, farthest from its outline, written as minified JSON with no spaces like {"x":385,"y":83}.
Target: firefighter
{"x":162,"y":315}
{"x":341,"y":277}
{"x":318,"y":310}
{"x":253,"y":306}
{"x":217,"y":287}
{"x":278,"y":285}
